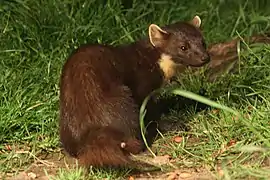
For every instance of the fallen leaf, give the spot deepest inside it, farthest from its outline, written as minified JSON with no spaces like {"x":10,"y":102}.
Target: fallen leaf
{"x":231,"y":142}
{"x":8,"y":147}
{"x":178,"y":139}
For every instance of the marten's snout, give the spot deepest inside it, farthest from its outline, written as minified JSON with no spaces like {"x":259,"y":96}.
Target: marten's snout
{"x":206,"y":58}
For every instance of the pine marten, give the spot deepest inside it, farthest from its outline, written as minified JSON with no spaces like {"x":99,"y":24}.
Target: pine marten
{"x":103,"y":86}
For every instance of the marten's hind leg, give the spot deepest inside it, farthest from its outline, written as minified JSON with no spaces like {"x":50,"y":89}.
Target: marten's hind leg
{"x":102,"y":144}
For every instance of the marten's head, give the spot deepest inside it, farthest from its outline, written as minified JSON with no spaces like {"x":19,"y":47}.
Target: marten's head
{"x":180,"y":43}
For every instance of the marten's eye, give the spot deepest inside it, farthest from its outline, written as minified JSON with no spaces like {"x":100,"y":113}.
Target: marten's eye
{"x":183,"y":48}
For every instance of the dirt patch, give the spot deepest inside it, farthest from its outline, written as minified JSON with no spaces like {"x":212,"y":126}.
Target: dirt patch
{"x":179,"y":174}
{"x":43,"y":167}
{"x":47,"y":165}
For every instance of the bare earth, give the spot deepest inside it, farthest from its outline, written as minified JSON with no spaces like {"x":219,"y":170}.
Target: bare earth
{"x":46,"y":167}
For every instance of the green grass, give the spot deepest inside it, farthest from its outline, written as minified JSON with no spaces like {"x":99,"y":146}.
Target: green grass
{"x":37,"y":36}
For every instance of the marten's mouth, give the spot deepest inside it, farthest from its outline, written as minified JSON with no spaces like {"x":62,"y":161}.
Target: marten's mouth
{"x":199,"y":65}
{"x":194,"y":64}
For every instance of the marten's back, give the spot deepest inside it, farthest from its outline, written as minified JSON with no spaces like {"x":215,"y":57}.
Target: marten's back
{"x":91,"y":62}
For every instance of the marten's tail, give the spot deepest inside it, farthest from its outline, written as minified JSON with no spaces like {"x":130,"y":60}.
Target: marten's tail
{"x":107,"y":147}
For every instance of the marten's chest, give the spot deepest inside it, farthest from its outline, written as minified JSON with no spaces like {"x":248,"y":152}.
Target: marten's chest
{"x":144,"y":81}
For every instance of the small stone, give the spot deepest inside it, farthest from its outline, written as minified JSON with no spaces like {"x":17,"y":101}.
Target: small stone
{"x":32,"y":175}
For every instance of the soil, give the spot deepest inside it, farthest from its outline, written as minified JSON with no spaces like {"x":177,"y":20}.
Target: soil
{"x":47,"y":166}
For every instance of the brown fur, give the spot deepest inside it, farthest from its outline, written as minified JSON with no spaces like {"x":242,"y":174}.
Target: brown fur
{"x":102,"y":88}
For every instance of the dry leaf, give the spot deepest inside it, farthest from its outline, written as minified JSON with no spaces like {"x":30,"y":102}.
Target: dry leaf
{"x":231,"y":143}
{"x":8,"y":147}
{"x":178,"y":139}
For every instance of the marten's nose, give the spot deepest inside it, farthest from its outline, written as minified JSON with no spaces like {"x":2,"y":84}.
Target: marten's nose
{"x":206,"y":58}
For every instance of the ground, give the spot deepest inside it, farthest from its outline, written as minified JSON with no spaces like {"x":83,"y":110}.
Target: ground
{"x":35,"y":40}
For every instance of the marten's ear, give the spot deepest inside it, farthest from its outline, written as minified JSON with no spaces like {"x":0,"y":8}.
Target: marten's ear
{"x":196,"y":21}
{"x":157,"y":35}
